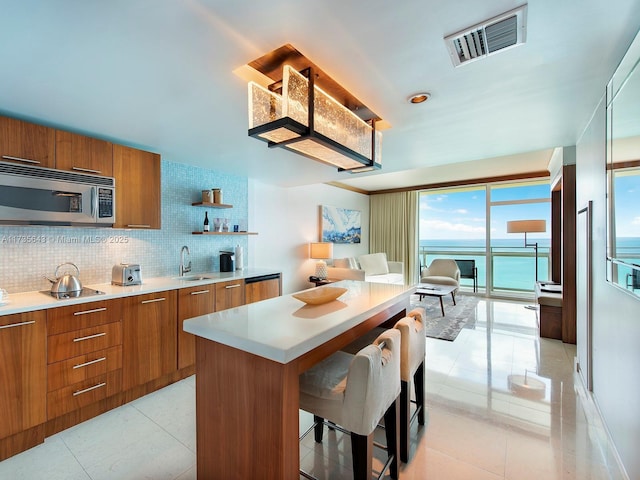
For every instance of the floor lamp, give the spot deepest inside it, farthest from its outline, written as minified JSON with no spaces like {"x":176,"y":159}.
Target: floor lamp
{"x":528,"y":226}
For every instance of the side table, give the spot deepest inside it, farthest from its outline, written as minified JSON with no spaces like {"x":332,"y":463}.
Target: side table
{"x":325,"y":281}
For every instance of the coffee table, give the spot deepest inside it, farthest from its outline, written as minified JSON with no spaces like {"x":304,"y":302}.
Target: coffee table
{"x":434,"y":290}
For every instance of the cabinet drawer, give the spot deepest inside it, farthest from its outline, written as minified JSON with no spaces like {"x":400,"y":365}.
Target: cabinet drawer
{"x":83,"y":393}
{"x":72,"y":344}
{"x":77,"y":369}
{"x":75,"y":317}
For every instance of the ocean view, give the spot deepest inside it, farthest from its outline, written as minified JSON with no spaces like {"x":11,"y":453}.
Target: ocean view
{"x":513,"y":264}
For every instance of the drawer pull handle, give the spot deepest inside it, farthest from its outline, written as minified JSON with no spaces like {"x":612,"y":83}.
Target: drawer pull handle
{"x":80,"y":392}
{"x":233,"y":286}
{"x":154,"y":300}
{"x":90,"y":311}
{"x":200,"y":292}
{"x":136,"y":225}
{"x":97,"y":360}
{"x":88,"y":170}
{"x":26,"y":160}
{"x":89,"y":337}
{"x":11,"y":325}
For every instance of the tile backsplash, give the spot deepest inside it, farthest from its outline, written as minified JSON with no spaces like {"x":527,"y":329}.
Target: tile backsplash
{"x":28,"y":253}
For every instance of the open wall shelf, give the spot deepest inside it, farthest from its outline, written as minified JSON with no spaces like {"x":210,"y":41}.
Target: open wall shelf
{"x":211,"y":205}
{"x":224,"y":233}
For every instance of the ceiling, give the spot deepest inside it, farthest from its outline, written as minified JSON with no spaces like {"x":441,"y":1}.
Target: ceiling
{"x":158,"y":74}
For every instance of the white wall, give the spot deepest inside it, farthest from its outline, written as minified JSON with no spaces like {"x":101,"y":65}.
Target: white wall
{"x":287,"y":219}
{"x":616,"y":321}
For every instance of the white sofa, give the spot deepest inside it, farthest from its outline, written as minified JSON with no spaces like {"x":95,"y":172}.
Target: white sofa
{"x":373,"y":267}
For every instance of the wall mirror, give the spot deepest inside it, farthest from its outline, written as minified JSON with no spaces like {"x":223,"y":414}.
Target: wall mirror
{"x":623,"y":173}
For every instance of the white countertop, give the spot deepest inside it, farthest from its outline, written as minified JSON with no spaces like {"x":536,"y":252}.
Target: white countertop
{"x":30,"y":301}
{"x":284,"y":328}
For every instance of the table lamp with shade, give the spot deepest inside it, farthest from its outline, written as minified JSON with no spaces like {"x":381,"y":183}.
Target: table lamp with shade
{"x":528,"y":226}
{"x":321,"y":251}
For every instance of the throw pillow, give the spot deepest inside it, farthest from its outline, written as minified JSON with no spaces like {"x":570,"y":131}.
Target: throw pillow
{"x":341,"y":263}
{"x":374,"y":264}
{"x":353,"y":263}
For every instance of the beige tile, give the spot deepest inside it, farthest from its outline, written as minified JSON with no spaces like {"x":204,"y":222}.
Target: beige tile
{"x":467,"y":439}
{"x":434,"y":465}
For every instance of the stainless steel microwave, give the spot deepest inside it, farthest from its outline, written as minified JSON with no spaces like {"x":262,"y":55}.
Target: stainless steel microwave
{"x":46,"y":196}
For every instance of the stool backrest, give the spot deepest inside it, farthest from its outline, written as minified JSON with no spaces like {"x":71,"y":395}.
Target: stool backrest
{"x":373,"y":383}
{"x":413,"y":342}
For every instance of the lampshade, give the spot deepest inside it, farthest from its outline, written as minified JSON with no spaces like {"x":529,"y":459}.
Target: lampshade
{"x":321,"y":250}
{"x":308,"y":121}
{"x":526,"y":226}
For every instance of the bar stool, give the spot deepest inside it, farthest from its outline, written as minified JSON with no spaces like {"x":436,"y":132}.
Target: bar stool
{"x":355,"y":392}
{"x":412,"y":357}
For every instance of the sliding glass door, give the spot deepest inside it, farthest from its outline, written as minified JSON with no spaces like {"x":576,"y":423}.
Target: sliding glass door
{"x":471,"y":223}
{"x":453,"y":225}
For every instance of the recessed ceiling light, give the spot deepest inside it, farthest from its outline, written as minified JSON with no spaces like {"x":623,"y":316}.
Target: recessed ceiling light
{"x":419,"y":97}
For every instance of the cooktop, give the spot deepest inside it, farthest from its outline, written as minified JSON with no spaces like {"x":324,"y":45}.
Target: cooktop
{"x":85,"y":292}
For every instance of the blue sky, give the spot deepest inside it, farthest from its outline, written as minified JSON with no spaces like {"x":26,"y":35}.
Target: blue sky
{"x":627,"y":190}
{"x":461,"y":213}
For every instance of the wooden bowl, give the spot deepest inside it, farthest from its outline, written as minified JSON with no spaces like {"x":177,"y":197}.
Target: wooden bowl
{"x":319,"y":295}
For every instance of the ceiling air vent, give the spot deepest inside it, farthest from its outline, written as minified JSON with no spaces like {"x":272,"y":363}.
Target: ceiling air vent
{"x":491,"y":36}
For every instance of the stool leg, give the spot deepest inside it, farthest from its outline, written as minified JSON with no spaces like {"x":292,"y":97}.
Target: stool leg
{"x":318,"y":428}
{"x":391,"y":421}
{"x":362,"y":455}
{"x":418,"y":382}
{"x":405,"y":402}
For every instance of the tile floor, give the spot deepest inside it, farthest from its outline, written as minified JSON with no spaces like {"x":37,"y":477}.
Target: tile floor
{"x":478,"y":428}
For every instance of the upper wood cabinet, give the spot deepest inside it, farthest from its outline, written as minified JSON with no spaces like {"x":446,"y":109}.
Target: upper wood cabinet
{"x":137,"y":175}
{"x":192,"y":302}
{"x":27,"y":143}
{"x":23,"y":372}
{"x":83,"y":154}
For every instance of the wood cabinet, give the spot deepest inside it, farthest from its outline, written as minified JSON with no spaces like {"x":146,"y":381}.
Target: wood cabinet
{"x":84,"y":355}
{"x":229,"y":294}
{"x":149,"y":337}
{"x":259,"y":288}
{"x":27,"y":143}
{"x":23,"y":384}
{"x":79,"y":153}
{"x":137,"y":174}
{"x":192,"y":302}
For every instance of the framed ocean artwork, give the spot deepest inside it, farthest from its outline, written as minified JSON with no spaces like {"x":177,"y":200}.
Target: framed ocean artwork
{"x":340,"y":225}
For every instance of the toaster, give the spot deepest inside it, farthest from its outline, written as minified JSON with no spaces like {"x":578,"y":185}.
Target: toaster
{"x":126,"y":274}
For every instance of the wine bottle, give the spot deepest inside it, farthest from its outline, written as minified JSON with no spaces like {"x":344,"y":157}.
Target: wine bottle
{"x":206,"y":222}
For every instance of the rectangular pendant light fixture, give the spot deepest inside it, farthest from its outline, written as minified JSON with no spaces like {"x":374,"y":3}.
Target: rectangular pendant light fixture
{"x":297,"y":115}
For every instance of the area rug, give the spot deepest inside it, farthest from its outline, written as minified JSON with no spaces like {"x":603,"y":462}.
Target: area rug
{"x":459,"y":316}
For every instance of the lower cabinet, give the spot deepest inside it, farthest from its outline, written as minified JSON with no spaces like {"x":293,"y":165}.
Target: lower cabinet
{"x":261,"y":288}
{"x":192,"y":302}
{"x":149,"y":340}
{"x":23,"y":369}
{"x":229,"y":294}
{"x":84,"y":355}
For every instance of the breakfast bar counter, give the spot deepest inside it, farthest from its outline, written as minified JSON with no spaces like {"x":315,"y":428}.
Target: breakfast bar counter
{"x":248,"y":360}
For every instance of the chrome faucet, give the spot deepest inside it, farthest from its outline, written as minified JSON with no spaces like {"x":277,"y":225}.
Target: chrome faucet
{"x":184,"y":268}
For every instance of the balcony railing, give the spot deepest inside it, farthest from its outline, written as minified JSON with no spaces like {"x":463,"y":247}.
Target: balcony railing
{"x":512,"y":268}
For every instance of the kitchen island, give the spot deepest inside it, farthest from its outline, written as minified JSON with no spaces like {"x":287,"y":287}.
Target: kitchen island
{"x":248,"y":360}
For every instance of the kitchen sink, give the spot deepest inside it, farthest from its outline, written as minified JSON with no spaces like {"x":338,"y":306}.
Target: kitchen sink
{"x":194,"y":278}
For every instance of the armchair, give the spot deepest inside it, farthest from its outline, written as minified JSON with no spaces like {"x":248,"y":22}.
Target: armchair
{"x":441,"y":271}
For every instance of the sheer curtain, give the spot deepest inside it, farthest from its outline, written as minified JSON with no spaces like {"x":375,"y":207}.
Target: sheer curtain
{"x":393,"y":229}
